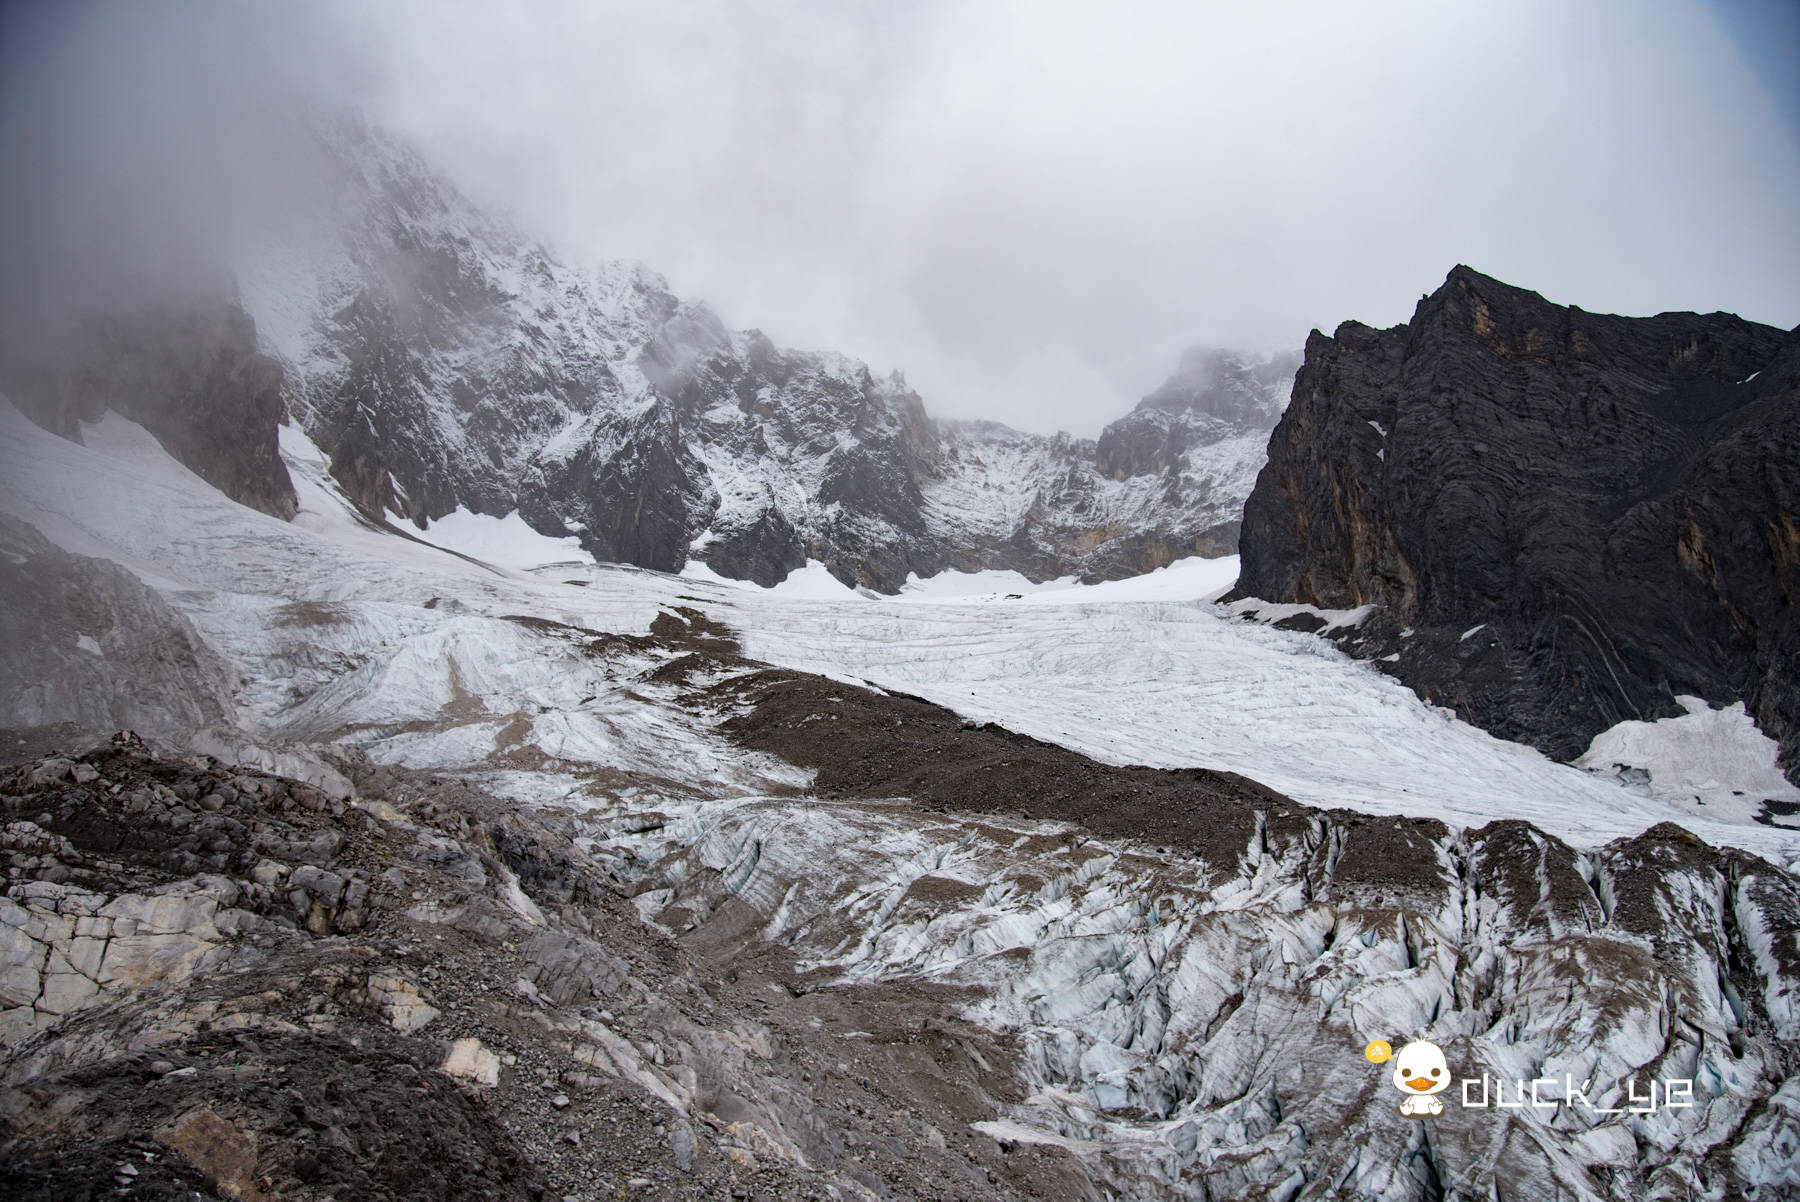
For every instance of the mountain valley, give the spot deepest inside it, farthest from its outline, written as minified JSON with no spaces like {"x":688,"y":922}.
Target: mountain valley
{"x":475,"y":726}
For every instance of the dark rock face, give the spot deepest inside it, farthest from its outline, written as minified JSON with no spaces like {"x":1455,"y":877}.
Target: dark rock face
{"x":83,"y":641}
{"x":191,"y":374}
{"x":1612,"y":501}
{"x":631,"y":494}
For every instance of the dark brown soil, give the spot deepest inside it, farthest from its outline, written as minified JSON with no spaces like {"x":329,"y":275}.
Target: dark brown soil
{"x":688,"y":629}
{"x":868,"y":744}
{"x":95,"y":1171}
{"x":345,"y":1120}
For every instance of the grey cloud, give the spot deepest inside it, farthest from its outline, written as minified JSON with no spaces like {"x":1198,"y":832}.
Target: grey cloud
{"x":1032,"y":208}
{"x":147,"y":140}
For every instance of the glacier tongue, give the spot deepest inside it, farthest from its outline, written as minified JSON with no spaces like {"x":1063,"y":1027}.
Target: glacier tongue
{"x":1173,"y":683}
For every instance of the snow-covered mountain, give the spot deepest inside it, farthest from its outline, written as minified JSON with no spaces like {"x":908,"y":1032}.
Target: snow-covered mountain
{"x":445,"y":361}
{"x":469,"y":859}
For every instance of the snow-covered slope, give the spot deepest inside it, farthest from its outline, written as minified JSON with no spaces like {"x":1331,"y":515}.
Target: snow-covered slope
{"x":1146,"y":671}
{"x":446,"y":362}
{"x":1178,"y":683}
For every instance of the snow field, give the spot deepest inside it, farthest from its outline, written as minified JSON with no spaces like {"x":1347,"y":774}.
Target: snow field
{"x":328,"y":621}
{"x":1176,"y":684}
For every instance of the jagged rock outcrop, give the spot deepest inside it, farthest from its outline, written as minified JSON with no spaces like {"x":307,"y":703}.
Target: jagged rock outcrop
{"x":442,"y":360}
{"x":188,"y":370}
{"x":1565,"y":519}
{"x":84,"y":641}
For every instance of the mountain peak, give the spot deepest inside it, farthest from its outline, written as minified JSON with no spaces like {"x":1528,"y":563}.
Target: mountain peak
{"x":1240,"y":390}
{"x":1525,"y":470}
{"x":1466,"y":292}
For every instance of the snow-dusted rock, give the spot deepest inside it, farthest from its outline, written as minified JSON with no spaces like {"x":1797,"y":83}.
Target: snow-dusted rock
{"x":446,"y":365}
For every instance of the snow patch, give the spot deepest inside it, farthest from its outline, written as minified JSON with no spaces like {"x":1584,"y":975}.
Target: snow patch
{"x":1712,"y":762}
{"x":1195,"y":578}
{"x":991,"y":585}
{"x":1019,"y":1133}
{"x":813,"y":582}
{"x":506,"y":541}
{"x":1269,"y":613}
{"x":1192,"y":579}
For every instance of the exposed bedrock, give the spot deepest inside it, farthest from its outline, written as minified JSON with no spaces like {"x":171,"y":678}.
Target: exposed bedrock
{"x":1566,"y":519}
{"x":190,"y":372}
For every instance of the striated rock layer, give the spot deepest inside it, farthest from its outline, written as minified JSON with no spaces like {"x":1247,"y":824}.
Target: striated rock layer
{"x":1564,"y":519}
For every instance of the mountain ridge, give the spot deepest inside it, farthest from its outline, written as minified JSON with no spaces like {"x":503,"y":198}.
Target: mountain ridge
{"x":445,"y":361}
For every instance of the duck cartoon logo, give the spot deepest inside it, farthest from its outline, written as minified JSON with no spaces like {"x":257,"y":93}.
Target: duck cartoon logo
{"x":1420,"y":1071}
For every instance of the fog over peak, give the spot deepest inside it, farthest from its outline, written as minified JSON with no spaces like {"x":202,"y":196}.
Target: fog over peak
{"x":1032,"y":209}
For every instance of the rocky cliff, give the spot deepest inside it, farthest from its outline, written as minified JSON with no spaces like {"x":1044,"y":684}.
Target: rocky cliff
{"x":1564,"y":519}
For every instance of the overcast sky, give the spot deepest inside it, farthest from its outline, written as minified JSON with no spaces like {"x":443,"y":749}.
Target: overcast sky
{"x":1031,"y":208}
